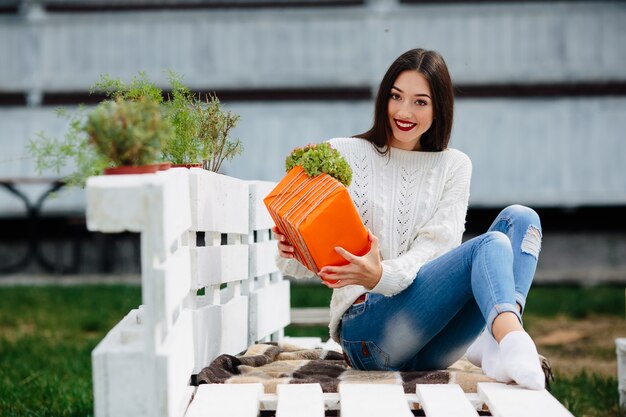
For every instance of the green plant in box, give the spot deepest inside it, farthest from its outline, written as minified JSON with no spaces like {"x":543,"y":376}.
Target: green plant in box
{"x":128,"y":132}
{"x":320,"y":158}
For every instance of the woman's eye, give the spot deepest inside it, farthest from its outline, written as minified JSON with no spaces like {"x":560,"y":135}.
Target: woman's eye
{"x":421,"y":103}
{"x":395,"y":96}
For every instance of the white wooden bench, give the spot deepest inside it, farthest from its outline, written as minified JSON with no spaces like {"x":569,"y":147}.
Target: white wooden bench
{"x":210,"y":286}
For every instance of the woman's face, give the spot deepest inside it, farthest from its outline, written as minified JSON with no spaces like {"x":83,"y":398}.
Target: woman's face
{"x":410,"y":110}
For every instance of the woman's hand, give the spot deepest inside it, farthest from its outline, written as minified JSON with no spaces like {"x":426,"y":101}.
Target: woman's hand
{"x":285,"y":249}
{"x":363,"y":270}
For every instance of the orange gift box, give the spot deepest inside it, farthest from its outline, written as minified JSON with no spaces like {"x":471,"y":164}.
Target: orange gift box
{"x":316,"y":214}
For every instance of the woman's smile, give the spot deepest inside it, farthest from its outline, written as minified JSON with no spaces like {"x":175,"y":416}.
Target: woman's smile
{"x":404,"y":126}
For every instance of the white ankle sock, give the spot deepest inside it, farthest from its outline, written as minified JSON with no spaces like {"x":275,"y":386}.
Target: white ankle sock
{"x":519,"y":361}
{"x":476,"y":351}
{"x":491,"y":358}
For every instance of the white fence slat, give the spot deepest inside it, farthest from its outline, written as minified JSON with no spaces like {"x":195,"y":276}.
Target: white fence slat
{"x":226,"y":400}
{"x":174,"y":364}
{"x":444,"y":400}
{"x":165,"y":193}
{"x":219,"y":329}
{"x":300,"y":400}
{"x":218,"y":203}
{"x":263,"y":258}
{"x":213,"y":265}
{"x":269,"y":310}
{"x":119,"y":365}
{"x":206,"y":332}
{"x":514,"y":401}
{"x":303,"y":342}
{"x":106,"y":194}
{"x":234,"y":335}
{"x":373,"y":400}
{"x":259,"y":216}
{"x":620,"y":344}
{"x":167,"y":287}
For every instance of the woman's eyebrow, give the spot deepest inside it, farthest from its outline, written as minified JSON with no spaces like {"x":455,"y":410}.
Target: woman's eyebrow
{"x":414,"y":95}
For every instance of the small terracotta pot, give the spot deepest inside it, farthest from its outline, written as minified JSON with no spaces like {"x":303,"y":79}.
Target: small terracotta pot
{"x":193,"y":165}
{"x":128,"y":169}
{"x":164,"y":166}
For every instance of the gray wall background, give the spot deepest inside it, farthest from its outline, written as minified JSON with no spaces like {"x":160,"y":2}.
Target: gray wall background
{"x":545,"y":151}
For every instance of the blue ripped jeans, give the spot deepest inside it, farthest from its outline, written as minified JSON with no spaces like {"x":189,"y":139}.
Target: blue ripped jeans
{"x":431,"y":323}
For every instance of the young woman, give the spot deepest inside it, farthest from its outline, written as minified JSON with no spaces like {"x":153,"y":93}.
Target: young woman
{"x":419,"y":298}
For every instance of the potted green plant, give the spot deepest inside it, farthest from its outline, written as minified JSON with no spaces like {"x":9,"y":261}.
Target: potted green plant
{"x":129,"y":134}
{"x":126,"y":129}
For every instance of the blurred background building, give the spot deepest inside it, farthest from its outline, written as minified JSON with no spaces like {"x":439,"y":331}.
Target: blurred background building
{"x":541,"y":104}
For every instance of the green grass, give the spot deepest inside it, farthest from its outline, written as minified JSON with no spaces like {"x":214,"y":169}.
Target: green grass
{"x":588,"y":395}
{"x":46,"y":338}
{"x":47,"y":335}
{"x":575,"y":302}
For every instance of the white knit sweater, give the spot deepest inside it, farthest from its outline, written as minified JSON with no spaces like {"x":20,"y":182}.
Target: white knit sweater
{"x":414,"y":202}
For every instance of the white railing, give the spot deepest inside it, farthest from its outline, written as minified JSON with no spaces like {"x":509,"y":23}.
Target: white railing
{"x":209,"y":284}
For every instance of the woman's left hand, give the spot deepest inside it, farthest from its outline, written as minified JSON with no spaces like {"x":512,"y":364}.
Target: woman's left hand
{"x":363,"y":270}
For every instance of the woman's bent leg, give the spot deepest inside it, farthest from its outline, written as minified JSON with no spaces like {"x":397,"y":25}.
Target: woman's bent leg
{"x":523,"y":228}
{"x":402,"y":325}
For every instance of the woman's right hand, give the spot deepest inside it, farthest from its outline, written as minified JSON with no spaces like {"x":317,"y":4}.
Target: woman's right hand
{"x":285,"y":249}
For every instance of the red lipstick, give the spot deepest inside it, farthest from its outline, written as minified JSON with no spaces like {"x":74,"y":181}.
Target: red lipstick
{"x":405,"y":127}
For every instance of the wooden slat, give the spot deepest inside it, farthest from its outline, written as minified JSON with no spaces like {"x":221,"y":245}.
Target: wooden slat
{"x":165,"y":193}
{"x":620,"y":345}
{"x":211,"y":265}
{"x":269,"y":310}
{"x":444,"y":400}
{"x":173,"y":366}
{"x":218,"y":203}
{"x":301,"y":400}
{"x":219,"y":329}
{"x":259,"y":216}
{"x":119,"y":363}
{"x":310,"y":315}
{"x":373,"y":400}
{"x":514,"y":401}
{"x":166,"y":288}
{"x":304,"y":342}
{"x":262,"y":258}
{"x":226,"y":400}
{"x":206,"y":333}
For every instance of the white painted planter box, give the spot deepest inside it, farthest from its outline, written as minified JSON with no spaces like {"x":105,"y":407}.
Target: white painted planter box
{"x":198,"y":234}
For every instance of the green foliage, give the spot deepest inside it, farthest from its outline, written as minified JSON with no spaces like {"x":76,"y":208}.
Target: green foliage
{"x":134,"y":126}
{"x":128,"y":132}
{"x":54,"y":154}
{"x":183,"y":146}
{"x":320,"y":158}
{"x":202,"y":129}
{"x":214,"y":126}
{"x":139,"y":88}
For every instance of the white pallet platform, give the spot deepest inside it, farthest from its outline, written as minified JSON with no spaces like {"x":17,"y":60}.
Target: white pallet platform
{"x":375,"y":400}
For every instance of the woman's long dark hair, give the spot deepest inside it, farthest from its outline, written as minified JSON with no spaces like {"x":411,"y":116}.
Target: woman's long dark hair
{"x":432,"y":66}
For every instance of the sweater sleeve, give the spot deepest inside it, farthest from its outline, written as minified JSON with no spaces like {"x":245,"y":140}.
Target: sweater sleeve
{"x":441,"y":233}
{"x":293,"y":268}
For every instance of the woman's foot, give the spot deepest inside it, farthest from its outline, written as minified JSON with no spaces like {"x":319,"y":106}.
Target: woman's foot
{"x":477,"y":350}
{"x":518,"y":361}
